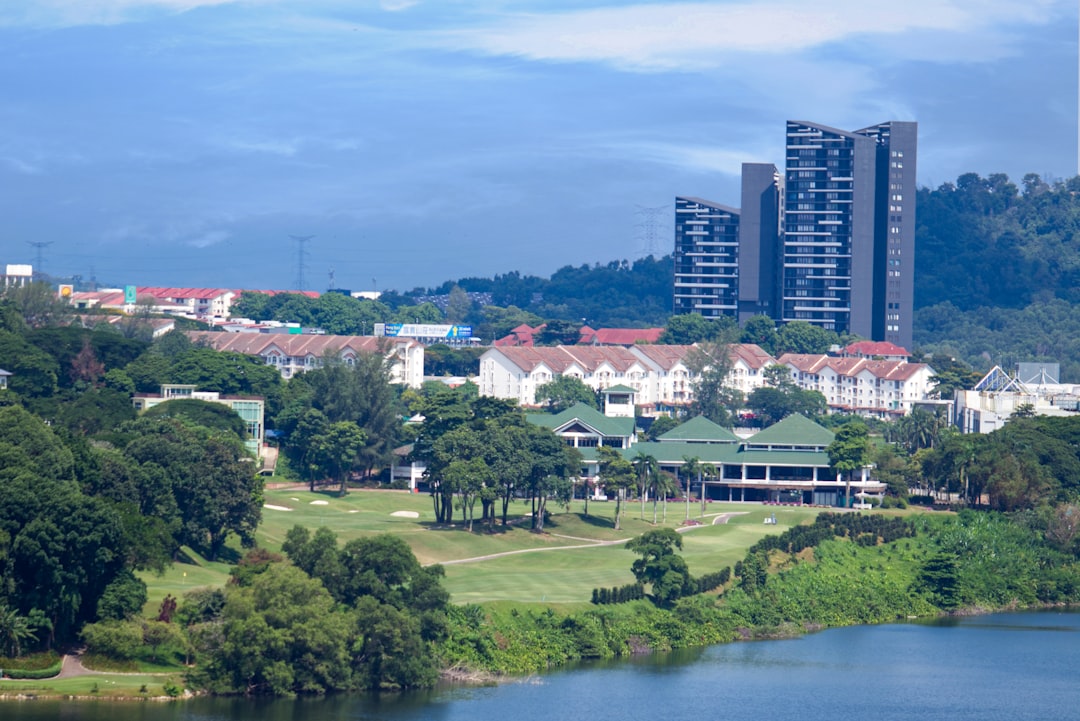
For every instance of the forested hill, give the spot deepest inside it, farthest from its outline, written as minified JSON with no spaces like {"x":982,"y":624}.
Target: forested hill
{"x":984,"y":242}
{"x":997,"y":277}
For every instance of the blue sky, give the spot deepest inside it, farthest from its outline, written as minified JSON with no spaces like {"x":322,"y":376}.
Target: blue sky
{"x":181,"y":142}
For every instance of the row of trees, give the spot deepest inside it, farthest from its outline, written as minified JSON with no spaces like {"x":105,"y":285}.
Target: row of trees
{"x":482,"y":450}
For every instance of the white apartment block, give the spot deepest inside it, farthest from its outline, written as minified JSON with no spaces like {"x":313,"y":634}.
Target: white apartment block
{"x":658,"y":374}
{"x":878,"y":388}
{"x":295,"y":353}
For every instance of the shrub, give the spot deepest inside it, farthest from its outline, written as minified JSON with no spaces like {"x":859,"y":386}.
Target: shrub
{"x":23,"y":673}
{"x":114,"y":639}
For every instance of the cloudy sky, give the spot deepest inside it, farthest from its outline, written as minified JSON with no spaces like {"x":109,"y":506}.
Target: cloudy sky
{"x":182,"y":142}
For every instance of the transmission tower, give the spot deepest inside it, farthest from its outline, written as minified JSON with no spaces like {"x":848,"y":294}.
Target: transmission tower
{"x":331,"y":286}
{"x":648,"y":229}
{"x":301,"y":258}
{"x":39,"y":263}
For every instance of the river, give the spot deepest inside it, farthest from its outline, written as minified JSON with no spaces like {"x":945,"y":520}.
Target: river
{"x":1001,"y":667}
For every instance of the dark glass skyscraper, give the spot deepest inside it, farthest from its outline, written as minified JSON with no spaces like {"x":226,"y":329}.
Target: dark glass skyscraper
{"x":830,"y":242}
{"x":849,"y":231}
{"x":706,"y":257}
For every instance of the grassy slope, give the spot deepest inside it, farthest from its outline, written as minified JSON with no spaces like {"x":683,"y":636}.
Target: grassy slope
{"x":561,"y":576}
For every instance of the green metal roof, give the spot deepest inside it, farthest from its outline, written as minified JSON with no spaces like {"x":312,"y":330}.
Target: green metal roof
{"x":795,"y":430}
{"x":699,"y":429}
{"x":619,"y":389}
{"x":673,"y":452}
{"x":676,"y":453}
{"x":604,"y":425}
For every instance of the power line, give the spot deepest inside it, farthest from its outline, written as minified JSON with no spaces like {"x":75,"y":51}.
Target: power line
{"x":648,"y":228}
{"x":39,"y":264}
{"x":301,"y":258}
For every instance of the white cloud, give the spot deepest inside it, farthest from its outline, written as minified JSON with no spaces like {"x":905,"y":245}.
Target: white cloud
{"x":64,"y":13}
{"x":698,"y":158}
{"x":205,"y":240}
{"x":396,"y":5}
{"x":20,"y":166}
{"x":694,"y":36}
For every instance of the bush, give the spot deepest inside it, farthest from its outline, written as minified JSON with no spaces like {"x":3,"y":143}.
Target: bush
{"x":114,"y":639}
{"x":25,"y":673}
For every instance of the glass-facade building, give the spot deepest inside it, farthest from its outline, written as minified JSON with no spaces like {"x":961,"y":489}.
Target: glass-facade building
{"x":706,"y":258}
{"x":830,"y":241}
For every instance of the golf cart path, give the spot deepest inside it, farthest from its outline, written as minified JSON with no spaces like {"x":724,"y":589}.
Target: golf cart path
{"x":717,"y":520}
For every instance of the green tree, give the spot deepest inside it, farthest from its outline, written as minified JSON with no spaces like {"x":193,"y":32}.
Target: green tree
{"x":337,"y":452}
{"x":361,"y":393}
{"x":616,"y":475}
{"x":849,"y":451}
{"x":207,"y":414}
{"x":761,"y":331}
{"x":660,"y":565}
{"x":802,"y":337}
{"x":15,"y":632}
{"x":645,"y":466}
{"x":558,"y":332}
{"x":692,"y":466}
{"x":691,"y":328}
{"x":660,"y":426}
{"x":122,"y":599}
{"x":458,"y":305}
{"x":283,"y":634}
{"x":38,"y":304}
{"x":710,"y":365}
{"x":562,"y":392}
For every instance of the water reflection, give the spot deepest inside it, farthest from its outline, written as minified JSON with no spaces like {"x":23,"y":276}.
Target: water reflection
{"x":1010,"y":667}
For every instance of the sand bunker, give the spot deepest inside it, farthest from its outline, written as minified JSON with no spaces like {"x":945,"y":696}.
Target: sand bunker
{"x":405,"y":514}
{"x":354,"y":511}
{"x":272,"y":507}
{"x":320,"y":503}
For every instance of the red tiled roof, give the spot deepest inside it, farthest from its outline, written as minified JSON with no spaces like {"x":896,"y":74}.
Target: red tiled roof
{"x":560,"y":358}
{"x":751,"y":354}
{"x":620,"y":336}
{"x":297,"y":346}
{"x":665,"y":356}
{"x":885,"y":370}
{"x":196,"y":293}
{"x":875,"y":348}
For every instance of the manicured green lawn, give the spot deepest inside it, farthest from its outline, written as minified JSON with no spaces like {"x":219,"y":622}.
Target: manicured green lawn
{"x":538,"y":574}
{"x":102,"y":686}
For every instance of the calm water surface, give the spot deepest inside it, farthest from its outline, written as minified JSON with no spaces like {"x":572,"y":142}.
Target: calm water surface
{"x":1007,"y":667}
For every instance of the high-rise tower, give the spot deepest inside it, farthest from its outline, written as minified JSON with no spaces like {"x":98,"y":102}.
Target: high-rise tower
{"x":848,"y":242}
{"x":706,"y":257}
{"x":831,"y":241}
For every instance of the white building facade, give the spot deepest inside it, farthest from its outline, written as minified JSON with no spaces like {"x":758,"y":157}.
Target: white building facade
{"x":659,"y":375}
{"x":877,"y":388}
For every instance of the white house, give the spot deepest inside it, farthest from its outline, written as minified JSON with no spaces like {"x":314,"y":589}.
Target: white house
{"x":658,"y":374}
{"x":295,"y":353}
{"x":879,"y":388}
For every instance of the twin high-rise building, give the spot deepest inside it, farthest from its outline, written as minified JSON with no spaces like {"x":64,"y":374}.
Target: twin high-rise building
{"x":830,"y":242}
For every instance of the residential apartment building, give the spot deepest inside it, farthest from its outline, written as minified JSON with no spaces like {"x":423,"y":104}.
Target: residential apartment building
{"x":849,"y":229}
{"x":706,"y":257}
{"x":830,"y":242}
{"x":878,"y":388}
{"x":292,"y":354}
{"x":660,"y":376}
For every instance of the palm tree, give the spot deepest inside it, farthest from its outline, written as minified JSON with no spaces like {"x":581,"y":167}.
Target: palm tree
{"x":646,"y":467}
{"x":661,"y":483}
{"x":14,"y":630}
{"x":705,"y":472}
{"x":691,"y":465}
